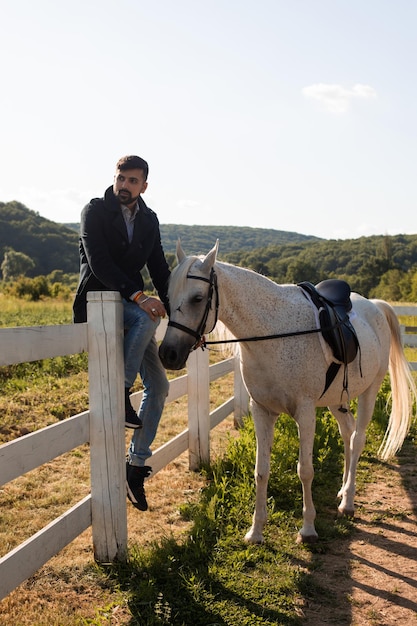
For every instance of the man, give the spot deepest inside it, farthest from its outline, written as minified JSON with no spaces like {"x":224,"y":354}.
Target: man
{"x":119,"y":235}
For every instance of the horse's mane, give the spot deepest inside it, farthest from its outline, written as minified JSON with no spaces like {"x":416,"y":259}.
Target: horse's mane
{"x":178,"y":284}
{"x":178,"y":279}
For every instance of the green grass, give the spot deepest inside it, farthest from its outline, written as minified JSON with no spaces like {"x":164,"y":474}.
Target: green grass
{"x":212,"y":576}
{"x":209,"y":576}
{"x":19,"y":312}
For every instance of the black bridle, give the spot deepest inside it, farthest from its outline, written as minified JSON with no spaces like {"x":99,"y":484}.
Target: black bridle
{"x":201,"y":330}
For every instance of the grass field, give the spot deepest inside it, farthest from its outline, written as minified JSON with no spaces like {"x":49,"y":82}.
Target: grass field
{"x":187,"y":562}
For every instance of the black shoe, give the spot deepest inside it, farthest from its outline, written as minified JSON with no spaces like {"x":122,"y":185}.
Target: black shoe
{"x":135,"y":478}
{"x":132,"y":420}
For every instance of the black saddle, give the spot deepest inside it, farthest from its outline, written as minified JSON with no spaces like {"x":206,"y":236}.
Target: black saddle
{"x":332,"y":299}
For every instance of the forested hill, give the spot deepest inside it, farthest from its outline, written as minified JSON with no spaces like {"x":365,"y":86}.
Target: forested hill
{"x":199,"y":239}
{"x":378,"y":266}
{"x":55,"y":246}
{"x":50,"y":245}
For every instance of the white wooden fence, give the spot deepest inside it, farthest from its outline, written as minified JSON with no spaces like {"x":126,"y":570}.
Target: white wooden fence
{"x":408,"y":333}
{"x":103,"y":427}
{"x":105,"y":507}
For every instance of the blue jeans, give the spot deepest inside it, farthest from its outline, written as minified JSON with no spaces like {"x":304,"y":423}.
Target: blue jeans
{"x":141,"y":356}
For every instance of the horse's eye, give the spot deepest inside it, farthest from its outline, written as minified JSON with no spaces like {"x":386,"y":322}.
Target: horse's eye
{"x":197,"y":299}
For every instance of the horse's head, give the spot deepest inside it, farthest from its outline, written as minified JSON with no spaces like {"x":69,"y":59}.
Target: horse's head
{"x":193,"y":305}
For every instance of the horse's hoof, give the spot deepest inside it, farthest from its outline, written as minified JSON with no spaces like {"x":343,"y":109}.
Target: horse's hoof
{"x":253,"y":538}
{"x":349,"y":513}
{"x":308,"y":539}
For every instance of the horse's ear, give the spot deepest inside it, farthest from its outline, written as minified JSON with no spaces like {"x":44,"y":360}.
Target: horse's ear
{"x":180,"y":251}
{"x":210,"y":259}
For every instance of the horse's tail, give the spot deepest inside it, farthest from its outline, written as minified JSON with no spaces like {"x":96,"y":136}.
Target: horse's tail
{"x":403,"y":388}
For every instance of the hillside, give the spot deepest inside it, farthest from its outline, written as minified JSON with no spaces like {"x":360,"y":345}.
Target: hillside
{"x":50,"y":245}
{"x":377,"y":266}
{"x":55,"y":246}
{"x":199,"y":239}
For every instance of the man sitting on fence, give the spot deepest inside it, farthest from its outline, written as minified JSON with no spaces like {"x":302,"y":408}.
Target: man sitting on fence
{"x":119,"y":235}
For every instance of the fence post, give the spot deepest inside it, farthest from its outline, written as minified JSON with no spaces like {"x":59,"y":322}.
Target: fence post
{"x":198,"y":382}
{"x":107,"y":435}
{"x":241,"y":403}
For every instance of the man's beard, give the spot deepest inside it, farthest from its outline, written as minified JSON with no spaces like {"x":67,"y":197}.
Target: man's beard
{"x":125,"y":197}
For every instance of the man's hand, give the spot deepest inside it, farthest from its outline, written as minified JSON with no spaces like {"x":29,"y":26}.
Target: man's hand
{"x":153,"y":307}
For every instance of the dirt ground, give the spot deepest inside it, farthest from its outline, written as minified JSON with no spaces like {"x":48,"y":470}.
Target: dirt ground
{"x":369,"y":578}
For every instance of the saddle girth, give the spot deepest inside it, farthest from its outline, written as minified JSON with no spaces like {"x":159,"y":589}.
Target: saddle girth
{"x":332,"y":299}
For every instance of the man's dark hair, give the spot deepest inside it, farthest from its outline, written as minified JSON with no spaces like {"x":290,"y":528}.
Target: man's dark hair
{"x":133,"y":162}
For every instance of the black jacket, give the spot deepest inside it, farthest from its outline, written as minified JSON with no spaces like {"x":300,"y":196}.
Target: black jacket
{"x":108,"y":262}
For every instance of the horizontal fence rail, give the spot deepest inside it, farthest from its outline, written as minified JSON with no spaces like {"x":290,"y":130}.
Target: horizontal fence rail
{"x":105,"y":507}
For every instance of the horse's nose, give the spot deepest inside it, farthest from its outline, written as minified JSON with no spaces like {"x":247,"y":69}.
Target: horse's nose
{"x":169,"y":357}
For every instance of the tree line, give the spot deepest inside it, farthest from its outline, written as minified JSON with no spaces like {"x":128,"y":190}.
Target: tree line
{"x":39,"y":258}
{"x":376,"y":267}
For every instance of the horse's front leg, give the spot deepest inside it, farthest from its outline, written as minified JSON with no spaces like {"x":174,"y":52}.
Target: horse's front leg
{"x":306,"y":421}
{"x":264,"y":429}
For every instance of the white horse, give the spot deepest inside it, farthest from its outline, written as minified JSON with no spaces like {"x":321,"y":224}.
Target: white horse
{"x":287,"y":375}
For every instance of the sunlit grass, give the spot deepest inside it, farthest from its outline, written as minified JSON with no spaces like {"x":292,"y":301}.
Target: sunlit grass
{"x":19,"y":312}
{"x":209,"y":575}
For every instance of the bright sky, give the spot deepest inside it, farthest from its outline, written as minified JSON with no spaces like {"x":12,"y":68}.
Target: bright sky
{"x":297,"y":115}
